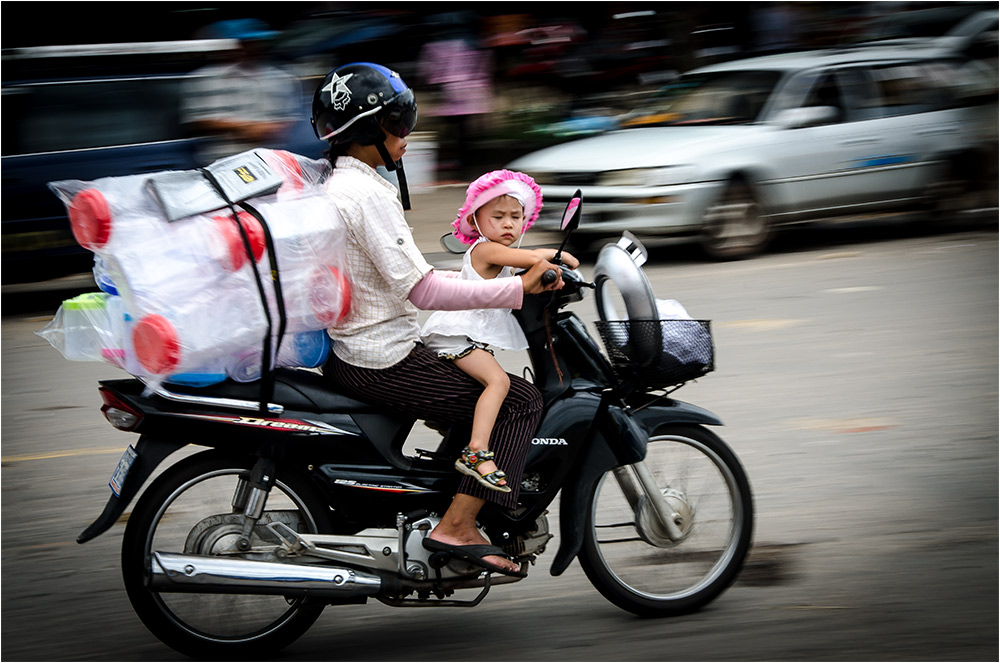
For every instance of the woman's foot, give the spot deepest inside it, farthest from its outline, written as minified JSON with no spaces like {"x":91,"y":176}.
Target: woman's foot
{"x":472,"y":538}
{"x":458,"y":528}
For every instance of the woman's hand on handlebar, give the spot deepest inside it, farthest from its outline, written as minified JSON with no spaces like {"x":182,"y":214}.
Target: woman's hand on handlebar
{"x":533,"y":282}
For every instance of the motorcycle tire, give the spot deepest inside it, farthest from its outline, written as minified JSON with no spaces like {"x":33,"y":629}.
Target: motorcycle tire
{"x":633,"y":560}
{"x":189,"y":509}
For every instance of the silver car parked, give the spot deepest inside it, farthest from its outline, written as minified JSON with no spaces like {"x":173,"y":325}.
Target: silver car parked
{"x":733,"y":150}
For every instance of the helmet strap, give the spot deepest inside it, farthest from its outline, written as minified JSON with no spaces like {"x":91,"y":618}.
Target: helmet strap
{"x":475,"y":222}
{"x":397,"y":166}
{"x":383,"y":152}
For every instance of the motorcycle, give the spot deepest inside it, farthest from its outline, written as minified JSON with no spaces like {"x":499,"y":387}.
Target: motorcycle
{"x":304,"y":497}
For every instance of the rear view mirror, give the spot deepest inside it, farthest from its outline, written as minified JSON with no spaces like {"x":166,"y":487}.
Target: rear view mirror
{"x":571,"y":217}
{"x":811,"y":116}
{"x":452,"y":244}
{"x":570,"y":221}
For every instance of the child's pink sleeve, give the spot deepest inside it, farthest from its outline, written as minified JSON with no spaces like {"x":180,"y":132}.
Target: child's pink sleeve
{"x":437,"y":292}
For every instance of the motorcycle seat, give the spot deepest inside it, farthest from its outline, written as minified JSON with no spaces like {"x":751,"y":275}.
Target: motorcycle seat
{"x":295,"y":389}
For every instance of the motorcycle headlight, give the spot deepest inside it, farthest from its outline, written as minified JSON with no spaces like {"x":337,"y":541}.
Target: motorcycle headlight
{"x":665,"y":176}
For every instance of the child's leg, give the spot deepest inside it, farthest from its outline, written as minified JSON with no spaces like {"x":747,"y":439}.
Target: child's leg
{"x":483,"y":367}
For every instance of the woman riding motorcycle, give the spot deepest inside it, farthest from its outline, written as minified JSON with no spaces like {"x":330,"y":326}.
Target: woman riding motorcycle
{"x":366,"y":111}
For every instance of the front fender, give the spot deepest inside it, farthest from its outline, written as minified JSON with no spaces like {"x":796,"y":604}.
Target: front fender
{"x":650,"y":418}
{"x":619,"y":440}
{"x":149,"y":453}
{"x":616,"y":441}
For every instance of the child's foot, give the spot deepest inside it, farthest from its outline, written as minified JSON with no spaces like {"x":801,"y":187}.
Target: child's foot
{"x":480,"y":466}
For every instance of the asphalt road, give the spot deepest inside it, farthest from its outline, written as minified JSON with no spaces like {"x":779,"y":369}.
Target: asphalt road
{"x":857,"y":377}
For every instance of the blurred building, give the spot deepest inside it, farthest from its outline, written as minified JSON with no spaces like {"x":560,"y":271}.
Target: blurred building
{"x":541,"y":63}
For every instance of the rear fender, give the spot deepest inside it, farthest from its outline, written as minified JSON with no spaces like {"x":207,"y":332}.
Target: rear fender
{"x":149,"y":454}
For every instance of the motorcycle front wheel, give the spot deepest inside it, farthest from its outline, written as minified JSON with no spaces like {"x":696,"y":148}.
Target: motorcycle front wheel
{"x":648,"y":568}
{"x":189,"y":510}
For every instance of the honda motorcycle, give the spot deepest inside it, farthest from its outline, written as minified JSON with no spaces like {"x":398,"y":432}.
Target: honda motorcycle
{"x":305,"y":498}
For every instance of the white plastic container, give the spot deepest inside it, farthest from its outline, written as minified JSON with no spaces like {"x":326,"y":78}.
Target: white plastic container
{"x":85,"y":327}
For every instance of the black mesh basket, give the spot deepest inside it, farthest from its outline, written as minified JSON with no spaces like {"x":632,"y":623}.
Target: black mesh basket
{"x":658,"y":354}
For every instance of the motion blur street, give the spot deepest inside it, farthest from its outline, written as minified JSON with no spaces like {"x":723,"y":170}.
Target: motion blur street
{"x":856,"y":362}
{"x":857,"y":381}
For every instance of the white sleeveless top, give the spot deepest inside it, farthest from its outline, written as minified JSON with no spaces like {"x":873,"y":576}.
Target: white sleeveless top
{"x":493,"y":326}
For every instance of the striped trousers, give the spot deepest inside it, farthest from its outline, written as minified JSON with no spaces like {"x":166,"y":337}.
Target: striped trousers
{"x":428,"y":388}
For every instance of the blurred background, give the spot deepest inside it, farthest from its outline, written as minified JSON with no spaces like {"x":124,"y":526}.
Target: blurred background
{"x":110,"y":88}
{"x":857,"y":370}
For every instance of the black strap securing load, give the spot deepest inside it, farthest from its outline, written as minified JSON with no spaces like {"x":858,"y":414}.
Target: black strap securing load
{"x":267,"y":352}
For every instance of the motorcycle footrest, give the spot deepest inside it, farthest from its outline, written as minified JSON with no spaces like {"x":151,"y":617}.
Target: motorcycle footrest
{"x":439,"y":560}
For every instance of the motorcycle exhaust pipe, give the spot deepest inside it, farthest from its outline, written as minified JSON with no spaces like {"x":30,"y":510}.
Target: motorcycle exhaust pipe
{"x":171,"y":572}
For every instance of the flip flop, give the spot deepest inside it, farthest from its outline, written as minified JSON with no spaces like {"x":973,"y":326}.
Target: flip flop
{"x":474,"y":555}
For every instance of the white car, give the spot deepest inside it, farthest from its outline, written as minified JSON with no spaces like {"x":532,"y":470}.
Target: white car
{"x":740,"y":148}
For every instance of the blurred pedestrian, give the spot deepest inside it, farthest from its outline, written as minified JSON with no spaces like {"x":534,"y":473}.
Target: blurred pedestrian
{"x":461,"y":73}
{"x":243,"y":103}
{"x":775,"y":27}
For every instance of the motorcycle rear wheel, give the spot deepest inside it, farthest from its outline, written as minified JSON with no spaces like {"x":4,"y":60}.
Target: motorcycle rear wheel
{"x":630,"y":558}
{"x":171,"y":511}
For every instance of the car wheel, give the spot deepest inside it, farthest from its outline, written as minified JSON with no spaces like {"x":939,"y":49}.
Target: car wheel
{"x":735,"y":225}
{"x":951,"y":195}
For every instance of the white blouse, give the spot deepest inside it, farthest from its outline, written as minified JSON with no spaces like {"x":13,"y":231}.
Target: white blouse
{"x":495,"y":327}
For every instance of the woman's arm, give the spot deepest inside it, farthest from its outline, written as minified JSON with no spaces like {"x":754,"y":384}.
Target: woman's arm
{"x":436,"y":292}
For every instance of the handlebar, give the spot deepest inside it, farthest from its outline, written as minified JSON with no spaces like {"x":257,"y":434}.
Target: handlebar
{"x":549,"y":277}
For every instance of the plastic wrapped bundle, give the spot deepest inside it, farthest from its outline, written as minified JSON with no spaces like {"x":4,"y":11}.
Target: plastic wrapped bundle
{"x":112,"y":207}
{"x":303,"y":350}
{"x":183,"y":262}
{"x":308,"y":239}
{"x":95,"y":327}
{"x":298,"y":173}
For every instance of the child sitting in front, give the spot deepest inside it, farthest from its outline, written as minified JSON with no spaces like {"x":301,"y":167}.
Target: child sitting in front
{"x":499,"y":207}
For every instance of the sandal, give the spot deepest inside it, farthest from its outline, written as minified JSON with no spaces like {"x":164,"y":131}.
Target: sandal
{"x":469,"y":464}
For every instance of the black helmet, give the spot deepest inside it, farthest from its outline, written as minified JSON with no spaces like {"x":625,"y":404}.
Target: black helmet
{"x":355,"y":102}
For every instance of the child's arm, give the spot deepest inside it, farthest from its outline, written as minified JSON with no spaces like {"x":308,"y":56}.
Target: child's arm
{"x":491,"y":256}
{"x":566,"y":258}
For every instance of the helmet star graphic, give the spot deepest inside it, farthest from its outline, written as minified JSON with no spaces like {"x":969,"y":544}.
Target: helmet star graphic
{"x":340,"y":94}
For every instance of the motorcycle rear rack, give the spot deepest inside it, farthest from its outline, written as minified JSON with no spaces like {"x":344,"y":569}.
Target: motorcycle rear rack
{"x":213,"y":401}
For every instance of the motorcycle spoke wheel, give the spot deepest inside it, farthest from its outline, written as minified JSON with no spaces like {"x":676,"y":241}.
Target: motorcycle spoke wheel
{"x":189,"y":510}
{"x":628,"y":554}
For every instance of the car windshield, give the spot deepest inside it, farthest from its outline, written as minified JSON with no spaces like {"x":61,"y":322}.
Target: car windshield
{"x":730,"y":97}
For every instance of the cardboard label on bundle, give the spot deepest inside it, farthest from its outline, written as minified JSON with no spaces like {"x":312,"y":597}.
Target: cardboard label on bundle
{"x":244,"y":176}
{"x":185,"y":193}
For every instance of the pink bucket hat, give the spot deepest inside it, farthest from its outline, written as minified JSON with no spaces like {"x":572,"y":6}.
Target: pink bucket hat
{"x":493,"y":185}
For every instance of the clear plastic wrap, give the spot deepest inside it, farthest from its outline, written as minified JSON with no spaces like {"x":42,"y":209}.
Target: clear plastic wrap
{"x":188,"y":301}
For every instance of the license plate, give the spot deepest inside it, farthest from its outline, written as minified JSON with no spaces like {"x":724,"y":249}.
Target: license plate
{"x":118,"y":476}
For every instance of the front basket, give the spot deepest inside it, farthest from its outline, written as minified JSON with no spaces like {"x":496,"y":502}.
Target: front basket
{"x":658,"y":354}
